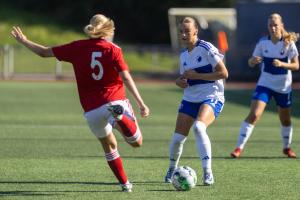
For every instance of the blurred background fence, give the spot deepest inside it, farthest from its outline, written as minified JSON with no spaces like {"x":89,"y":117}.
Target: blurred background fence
{"x":147,"y":33}
{"x":17,"y":62}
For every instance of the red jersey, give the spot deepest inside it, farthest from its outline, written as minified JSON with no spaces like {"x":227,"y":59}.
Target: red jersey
{"x":96,"y":64}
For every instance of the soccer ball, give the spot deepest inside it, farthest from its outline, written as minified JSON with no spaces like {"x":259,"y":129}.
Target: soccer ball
{"x":184,"y":178}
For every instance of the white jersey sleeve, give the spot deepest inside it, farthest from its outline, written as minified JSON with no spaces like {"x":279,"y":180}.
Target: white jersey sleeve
{"x":214,"y":56}
{"x":292,"y":51}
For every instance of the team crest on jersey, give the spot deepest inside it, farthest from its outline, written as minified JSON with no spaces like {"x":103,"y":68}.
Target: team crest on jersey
{"x":266,"y":51}
{"x":199,"y":59}
{"x":184,"y":64}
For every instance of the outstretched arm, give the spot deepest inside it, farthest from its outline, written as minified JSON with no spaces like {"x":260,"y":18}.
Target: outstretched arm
{"x":128,"y":81}
{"x":34,"y":47}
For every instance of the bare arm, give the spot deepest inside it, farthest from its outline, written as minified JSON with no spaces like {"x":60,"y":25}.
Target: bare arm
{"x":293,"y":65}
{"x":129,"y":83}
{"x":181,"y":82}
{"x":219,"y":73}
{"x":255,"y":60}
{"x":34,"y":47}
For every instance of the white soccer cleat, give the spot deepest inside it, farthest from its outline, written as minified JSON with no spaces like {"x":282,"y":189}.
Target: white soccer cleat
{"x":127,"y":187}
{"x":168,"y":177}
{"x":208,"y":178}
{"x":117,"y":111}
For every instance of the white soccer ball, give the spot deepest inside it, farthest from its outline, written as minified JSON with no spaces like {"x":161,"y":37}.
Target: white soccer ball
{"x":184,"y":178}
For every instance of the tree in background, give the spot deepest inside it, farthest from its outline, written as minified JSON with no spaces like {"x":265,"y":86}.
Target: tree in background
{"x":137,"y":21}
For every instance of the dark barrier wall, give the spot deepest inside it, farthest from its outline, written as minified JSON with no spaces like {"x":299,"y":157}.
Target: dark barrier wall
{"x":252,"y":25}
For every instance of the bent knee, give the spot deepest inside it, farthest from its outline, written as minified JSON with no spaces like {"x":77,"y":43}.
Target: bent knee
{"x":253,"y":118}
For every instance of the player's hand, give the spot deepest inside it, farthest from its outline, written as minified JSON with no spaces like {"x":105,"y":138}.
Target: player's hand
{"x":191,"y":74}
{"x":255,"y":60}
{"x":277,"y":63}
{"x":18,"y":34}
{"x":181,"y":82}
{"x":144,"y":111}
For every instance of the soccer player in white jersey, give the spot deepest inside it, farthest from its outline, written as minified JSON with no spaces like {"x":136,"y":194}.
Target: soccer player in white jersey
{"x":278,"y":56}
{"x":201,"y":74}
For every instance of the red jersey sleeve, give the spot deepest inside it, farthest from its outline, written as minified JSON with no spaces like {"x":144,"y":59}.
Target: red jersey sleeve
{"x":120,"y":63}
{"x":65,"y":52}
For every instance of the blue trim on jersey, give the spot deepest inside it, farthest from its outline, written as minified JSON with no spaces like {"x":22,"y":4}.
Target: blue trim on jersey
{"x":270,"y":68}
{"x":197,"y":82}
{"x":200,"y":43}
{"x":203,"y":44}
{"x":192,"y":109}
{"x":204,"y":69}
{"x":283,"y":100}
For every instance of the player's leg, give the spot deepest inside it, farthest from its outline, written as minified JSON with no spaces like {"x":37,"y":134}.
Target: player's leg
{"x":284,"y":104}
{"x":114,"y":161}
{"x":261,"y":97}
{"x":183,"y":125}
{"x":124,"y":121}
{"x":286,"y":131}
{"x":208,"y":111}
{"x":97,"y":121}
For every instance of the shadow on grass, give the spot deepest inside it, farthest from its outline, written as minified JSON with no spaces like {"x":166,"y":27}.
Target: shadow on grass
{"x":50,"y":193}
{"x":57,"y":182}
{"x":162,"y":190}
{"x":53,"y":192}
{"x":64,"y":192}
{"x":27,"y":193}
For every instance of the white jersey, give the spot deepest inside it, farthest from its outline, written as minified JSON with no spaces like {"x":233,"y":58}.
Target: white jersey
{"x":203,"y":59}
{"x":275,"y":78}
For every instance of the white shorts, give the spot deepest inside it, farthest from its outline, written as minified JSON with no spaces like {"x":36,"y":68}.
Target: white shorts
{"x":100,"y":120}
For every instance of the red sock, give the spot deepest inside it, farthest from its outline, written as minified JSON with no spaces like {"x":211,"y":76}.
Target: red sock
{"x":116,"y":165}
{"x":128,"y":126}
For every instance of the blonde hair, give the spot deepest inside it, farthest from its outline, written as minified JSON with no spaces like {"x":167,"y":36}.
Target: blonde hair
{"x":100,"y":27}
{"x":288,"y":37}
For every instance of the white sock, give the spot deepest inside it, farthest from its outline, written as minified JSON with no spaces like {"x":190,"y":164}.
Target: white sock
{"x":176,"y":148}
{"x":286,"y":133}
{"x":203,"y":144}
{"x":245,"y":133}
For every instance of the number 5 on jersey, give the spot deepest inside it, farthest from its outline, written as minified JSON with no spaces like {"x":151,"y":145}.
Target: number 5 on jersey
{"x":97,"y":63}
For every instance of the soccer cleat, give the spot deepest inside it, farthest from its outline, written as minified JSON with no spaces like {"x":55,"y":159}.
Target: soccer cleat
{"x":208,"y":179}
{"x":289,"y":152}
{"x":116,"y":110}
{"x":236,"y":153}
{"x":168,"y":177}
{"x":127,"y":187}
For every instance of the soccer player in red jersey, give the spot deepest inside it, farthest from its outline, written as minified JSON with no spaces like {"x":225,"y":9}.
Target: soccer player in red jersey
{"x":101,"y":73}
